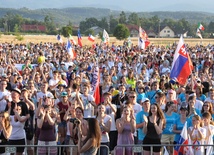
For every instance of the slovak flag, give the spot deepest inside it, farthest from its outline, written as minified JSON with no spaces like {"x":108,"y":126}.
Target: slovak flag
{"x":91,"y":38}
{"x":79,"y":38}
{"x":182,"y":65}
{"x":183,"y":140}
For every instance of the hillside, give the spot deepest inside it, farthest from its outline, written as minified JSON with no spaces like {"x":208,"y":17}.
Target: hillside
{"x":75,"y":14}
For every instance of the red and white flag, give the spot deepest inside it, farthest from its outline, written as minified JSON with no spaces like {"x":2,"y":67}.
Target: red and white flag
{"x":91,"y":38}
{"x":79,"y":38}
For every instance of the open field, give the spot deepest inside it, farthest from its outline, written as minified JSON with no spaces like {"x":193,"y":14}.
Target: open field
{"x":52,"y":38}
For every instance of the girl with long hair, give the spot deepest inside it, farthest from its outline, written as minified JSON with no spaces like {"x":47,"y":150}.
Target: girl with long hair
{"x":207,"y":107}
{"x":208,"y":125}
{"x":46,"y":125}
{"x":5,"y":129}
{"x":153,"y":127}
{"x":197,"y":135}
{"x":105,"y":126}
{"x":126,"y":127}
{"x":91,"y":143}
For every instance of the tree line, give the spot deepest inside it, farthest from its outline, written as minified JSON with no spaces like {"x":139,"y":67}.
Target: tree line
{"x":115,"y":25}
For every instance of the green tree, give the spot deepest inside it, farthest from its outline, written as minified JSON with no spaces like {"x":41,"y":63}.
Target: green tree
{"x":133,"y":19}
{"x":88,"y":23}
{"x":210,"y":27}
{"x":112,"y":23}
{"x":16,"y":29}
{"x":122,"y":18}
{"x":121,"y":32}
{"x":49,"y":23}
{"x":66,"y":30}
{"x":89,"y":31}
{"x":103,"y":23}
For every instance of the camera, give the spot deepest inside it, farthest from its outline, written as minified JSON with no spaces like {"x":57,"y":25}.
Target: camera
{"x":45,"y":106}
{"x":74,"y":121}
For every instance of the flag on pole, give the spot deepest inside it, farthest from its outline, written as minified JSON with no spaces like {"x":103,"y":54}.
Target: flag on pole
{"x":143,"y":41}
{"x":95,"y":89}
{"x":79,"y":38}
{"x":72,"y":40}
{"x":129,"y":42}
{"x":105,"y":37}
{"x":70,"y":50}
{"x":91,"y":38}
{"x":185,"y":34}
{"x":198,"y":33}
{"x":182,"y":65}
{"x":183,"y":140}
{"x":58,"y":37}
{"x":200,"y":27}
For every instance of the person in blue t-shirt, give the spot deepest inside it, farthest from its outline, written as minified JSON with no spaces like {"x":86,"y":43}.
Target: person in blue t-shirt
{"x":151,"y":94}
{"x":170,"y":116}
{"x":140,"y":93}
{"x":179,"y":123}
{"x":140,"y":119}
{"x":191,"y":111}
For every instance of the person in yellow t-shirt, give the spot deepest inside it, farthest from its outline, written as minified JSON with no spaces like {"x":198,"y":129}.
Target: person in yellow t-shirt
{"x":131,"y":79}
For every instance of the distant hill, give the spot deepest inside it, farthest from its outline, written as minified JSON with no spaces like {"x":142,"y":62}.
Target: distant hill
{"x":77,"y":14}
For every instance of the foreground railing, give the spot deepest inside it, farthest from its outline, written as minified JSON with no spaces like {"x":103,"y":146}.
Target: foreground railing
{"x":135,"y":149}
{"x":138,"y":149}
{"x":60,"y":151}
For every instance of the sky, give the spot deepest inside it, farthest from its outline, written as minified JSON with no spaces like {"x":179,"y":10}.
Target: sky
{"x":122,"y":5}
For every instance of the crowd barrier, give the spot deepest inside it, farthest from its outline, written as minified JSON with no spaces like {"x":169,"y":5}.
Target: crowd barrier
{"x":12,"y":149}
{"x":138,"y":149}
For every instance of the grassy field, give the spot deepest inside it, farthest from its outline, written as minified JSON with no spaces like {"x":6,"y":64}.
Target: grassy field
{"x":155,"y":41}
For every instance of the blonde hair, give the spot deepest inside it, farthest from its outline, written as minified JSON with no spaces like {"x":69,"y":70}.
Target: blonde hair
{"x":6,"y":119}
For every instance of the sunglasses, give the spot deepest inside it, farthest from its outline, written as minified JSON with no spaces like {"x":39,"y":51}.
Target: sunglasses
{"x":206,"y":105}
{"x":131,"y":96}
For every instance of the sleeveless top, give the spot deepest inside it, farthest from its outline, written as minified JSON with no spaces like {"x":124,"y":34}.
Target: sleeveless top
{"x":151,"y":131}
{"x":47,"y":132}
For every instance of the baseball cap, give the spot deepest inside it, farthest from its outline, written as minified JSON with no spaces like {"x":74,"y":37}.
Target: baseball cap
{"x":64,"y":94}
{"x":183,"y":106}
{"x":49,"y":95}
{"x":16,"y":90}
{"x":145,"y":100}
{"x":64,"y":74}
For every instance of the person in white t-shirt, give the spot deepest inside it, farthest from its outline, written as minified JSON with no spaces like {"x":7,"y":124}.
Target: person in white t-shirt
{"x":17,"y":136}
{"x":4,"y":95}
{"x":105,"y":126}
{"x":111,"y":110}
{"x":206,"y":124}
{"x":88,"y":102}
{"x":55,"y":81}
{"x":197,"y":135}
